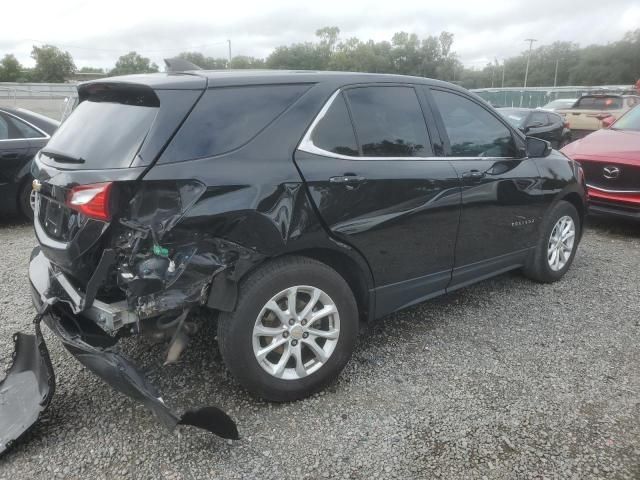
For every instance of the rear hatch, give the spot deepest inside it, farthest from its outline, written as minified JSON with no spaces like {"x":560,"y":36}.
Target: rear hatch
{"x":89,"y":169}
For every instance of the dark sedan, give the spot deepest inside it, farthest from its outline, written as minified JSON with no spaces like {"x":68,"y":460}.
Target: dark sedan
{"x":22,"y":135}
{"x":541,"y":124}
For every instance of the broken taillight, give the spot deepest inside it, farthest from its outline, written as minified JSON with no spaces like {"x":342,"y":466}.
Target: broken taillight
{"x":91,"y":200}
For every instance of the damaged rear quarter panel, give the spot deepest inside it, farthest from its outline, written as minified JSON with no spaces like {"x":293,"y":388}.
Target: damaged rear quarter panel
{"x":253,"y":205}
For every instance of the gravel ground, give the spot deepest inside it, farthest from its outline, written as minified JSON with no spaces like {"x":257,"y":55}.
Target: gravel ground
{"x":505,"y":379}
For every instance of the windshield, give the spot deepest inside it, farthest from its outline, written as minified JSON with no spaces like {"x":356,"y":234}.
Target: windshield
{"x":599,"y":103}
{"x":514,"y":117}
{"x":630,"y":121}
{"x":100,"y":135}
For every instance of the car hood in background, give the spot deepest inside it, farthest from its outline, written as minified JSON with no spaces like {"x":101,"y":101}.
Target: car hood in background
{"x":623,"y":146}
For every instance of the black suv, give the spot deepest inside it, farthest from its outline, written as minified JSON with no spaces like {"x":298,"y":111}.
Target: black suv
{"x":291,"y":206}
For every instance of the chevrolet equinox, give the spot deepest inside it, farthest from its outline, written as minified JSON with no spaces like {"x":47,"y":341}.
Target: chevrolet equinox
{"x":290,"y":206}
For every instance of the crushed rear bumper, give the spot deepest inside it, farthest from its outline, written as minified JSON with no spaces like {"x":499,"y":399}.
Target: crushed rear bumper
{"x":29,"y":384}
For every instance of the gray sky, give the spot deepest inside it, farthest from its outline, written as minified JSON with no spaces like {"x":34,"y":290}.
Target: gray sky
{"x":97,"y":35}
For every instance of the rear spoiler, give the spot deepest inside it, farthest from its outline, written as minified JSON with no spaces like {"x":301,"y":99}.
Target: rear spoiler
{"x":178,"y":64}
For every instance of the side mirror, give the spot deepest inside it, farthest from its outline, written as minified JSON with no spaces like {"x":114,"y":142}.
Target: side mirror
{"x":537,"y":147}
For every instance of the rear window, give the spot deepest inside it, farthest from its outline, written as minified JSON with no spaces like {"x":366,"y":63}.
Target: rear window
{"x":599,"y":103}
{"x":227,"y":118}
{"x":514,"y":117}
{"x":100,"y":135}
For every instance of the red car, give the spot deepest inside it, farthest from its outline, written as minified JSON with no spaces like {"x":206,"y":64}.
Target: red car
{"x":610,"y":159}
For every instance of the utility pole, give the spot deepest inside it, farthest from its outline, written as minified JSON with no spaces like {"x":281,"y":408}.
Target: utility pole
{"x":555,"y":76}
{"x":229,"y":42}
{"x":526,"y":72}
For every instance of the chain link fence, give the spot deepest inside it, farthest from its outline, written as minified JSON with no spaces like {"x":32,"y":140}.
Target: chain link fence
{"x":50,"y":99}
{"x":538,"y":96}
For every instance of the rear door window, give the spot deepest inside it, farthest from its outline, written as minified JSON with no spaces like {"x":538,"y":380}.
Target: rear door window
{"x":389,"y":122}
{"x":334,"y":132}
{"x":226,"y":118}
{"x":472,"y":130}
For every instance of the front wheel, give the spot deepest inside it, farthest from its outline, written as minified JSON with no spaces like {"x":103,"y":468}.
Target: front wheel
{"x":557,"y":244}
{"x":293,"y":330}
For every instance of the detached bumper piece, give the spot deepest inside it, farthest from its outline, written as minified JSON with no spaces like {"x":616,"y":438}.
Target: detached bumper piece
{"x":27,"y":389}
{"x":29,"y":385}
{"x":94,"y":349}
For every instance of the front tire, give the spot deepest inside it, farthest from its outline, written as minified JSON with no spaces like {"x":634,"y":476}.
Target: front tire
{"x":557,"y":245}
{"x":284,"y":354}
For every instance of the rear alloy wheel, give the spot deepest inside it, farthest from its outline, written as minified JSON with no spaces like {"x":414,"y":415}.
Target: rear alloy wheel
{"x":296,"y":332}
{"x":293,"y":330}
{"x":557,"y":244}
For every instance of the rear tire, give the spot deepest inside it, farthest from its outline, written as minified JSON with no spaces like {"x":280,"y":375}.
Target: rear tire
{"x":557,"y":245}
{"x":313,"y":344}
{"x":24,"y":200}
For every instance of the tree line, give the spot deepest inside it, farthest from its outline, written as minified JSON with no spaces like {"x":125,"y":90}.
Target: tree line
{"x":405,"y":53}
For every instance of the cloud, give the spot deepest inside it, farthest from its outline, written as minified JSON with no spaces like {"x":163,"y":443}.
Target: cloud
{"x":96,"y":34}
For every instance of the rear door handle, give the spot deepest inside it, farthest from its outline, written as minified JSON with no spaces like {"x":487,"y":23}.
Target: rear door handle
{"x":10,"y":156}
{"x":347,"y":178}
{"x":473,"y":175}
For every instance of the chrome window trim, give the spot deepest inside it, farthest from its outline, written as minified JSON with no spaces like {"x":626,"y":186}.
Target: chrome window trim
{"x":307,"y":145}
{"x":612,"y":191}
{"x":45,"y":136}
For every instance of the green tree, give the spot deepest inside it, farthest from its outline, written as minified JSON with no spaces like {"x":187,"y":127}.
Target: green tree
{"x":206,"y":63}
{"x":133,"y":62}
{"x":10,"y":69}
{"x":91,"y":70}
{"x":52,"y":64}
{"x":244,"y":62}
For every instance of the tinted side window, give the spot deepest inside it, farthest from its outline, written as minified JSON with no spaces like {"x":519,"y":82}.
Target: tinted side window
{"x":227,"y":118}
{"x":4,"y":128}
{"x":389,"y":122}
{"x":12,"y":128}
{"x":25,"y":130}
{"x":472,"y":130}
{"x":334,"y":132}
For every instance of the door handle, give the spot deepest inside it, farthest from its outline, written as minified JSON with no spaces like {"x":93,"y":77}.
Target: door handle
{"x":347,"y":178}
{"x":473,"y":175}
{"x":9,"y":156}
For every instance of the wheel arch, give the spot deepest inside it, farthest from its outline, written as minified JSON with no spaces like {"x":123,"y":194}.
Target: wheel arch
{"x":351,"y":271}
{"x":574,"y":199}
{"x":224,"y":291}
